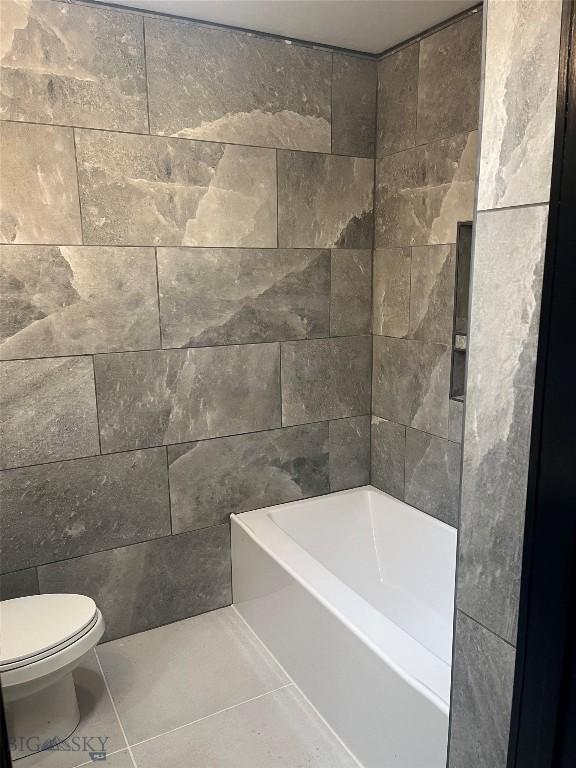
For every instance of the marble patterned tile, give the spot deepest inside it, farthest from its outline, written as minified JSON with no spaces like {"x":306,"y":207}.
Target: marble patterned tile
{"x":351,"y":286}
{"x":220,"y":85}
{"x":410,"y":383}
{"x":449,"y":80}
{"x":174,"y":396}
{"x":211,"y":479}
{"x":508,"y":265}
{"x":455,"y":420}
{"x":233,"y":295}
{"x":423,"y":192}
{"x":39,"y":193}
{"x":151,"y":190}
{"x":354,"y":82}
{"x":387,"y":456}
{"x":432,"y":275}
{"x":18,"y":584}
{"x":391,"y":292}
{"x":72,"y":508}
{"x":74,"y":300}
{"x":481,"y":697}
{"x":432,"y":475}
{"x":519,"y":112}
{"x":192,"y":568}
{"x":397,"y":101}
{"x":324,"y":201}
{"x":349,"y":453}
{"x":72,"y":65}
{"x":47,"y":411}
{"x":325,"y":379}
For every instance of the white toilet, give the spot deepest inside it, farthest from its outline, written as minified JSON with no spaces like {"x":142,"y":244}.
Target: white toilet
{"x":42,"y":639}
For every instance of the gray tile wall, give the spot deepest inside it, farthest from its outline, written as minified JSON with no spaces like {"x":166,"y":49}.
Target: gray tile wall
{"x":517,"y":130}
{"x":186,"y":226}
{"x":426,"y":149}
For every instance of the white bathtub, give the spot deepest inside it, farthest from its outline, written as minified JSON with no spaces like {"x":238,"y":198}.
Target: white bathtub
{"x":353,"y":594}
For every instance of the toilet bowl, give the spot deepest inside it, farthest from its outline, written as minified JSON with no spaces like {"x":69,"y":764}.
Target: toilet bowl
{"x":43,"y":638}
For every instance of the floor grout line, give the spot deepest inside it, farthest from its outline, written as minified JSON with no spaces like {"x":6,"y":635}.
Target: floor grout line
{"x":114,"y":708}
{"x":108,"y":754}
{"x":213,"y":714}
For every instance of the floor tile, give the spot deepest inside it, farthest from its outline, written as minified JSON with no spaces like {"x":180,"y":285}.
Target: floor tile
{"x":173,"y":675}
{"x":98,"y":724}
{"x":279,"y":730}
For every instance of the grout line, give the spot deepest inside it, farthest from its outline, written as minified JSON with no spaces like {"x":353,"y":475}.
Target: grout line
{"x":213,"y":714}
{"x":520,"y":206}
{"x":436,"y":140}
{"x":108,"y":754}
{"x":479,"y":623}
{"x":170,"y":493}
{"x":96,"y":404}
{"x":145,"y":72}
{"x":114,"y":707}
{"x":158,"y":298}
{"x":78,"y":186}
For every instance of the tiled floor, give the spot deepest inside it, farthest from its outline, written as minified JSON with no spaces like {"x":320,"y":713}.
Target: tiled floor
{"x":201,"y":693}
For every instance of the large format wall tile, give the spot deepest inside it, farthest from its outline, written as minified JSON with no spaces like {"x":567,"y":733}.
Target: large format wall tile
{"x":391,"y":292}
{"x":519,"y":109}
{"x":38,"y":193}
{"x":481,"y":697}
{"x":387,"y":456}
{"x":173,"y":396}
{"x":47,"y":411}
{"x":325,"y":379}
{"x":70,"y":300}
{"x":73,"y":65}
{"x":143,"y":190}
{"x":411,"y":383}
{"x":324,"y":201}
{"x":233,"y":296}
{"x":449,"y":80}
{"x":226,"y":86}
{"x":211,"y":479}
{"x":56,"y":511}
{"x":152,"y":583}
{"x":433,"y":475}
{"x":422,"y":193}
{"x":432,"y":274}
{"x":353,"y":105}
{"x":397,"y":101}
{"x":508,"y":263}
{"x":351,"y":285}
{"x":349,"y":453}
{"x":455,"y":420}
{"x":18,"y":584}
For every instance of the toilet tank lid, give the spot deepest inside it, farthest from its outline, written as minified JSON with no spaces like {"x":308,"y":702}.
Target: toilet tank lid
{"x":35,"y":624}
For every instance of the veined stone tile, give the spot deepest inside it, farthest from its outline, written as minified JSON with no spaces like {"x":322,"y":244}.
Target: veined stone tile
{"x":354,"y":83}
{"x":449,"y":80}
{"x":455,"y":420}
{"x":325,"y":379}
{"x":39,"y":193}
{"x":518,"y":124}
{"x":324,"y":201}
{"x":423,"y":192}
{"x":508,"y":264}
{"x":211,"y":479}
{"x":73,"y":300}
{"x":193,"y":569}
{"x":18,"y":584}
{"x":174,"y":396}
{"x":73,"y":65}
{"x":411,"y":382}
{"x":233,"y":296}
{"x":387,"y":456}
{"x":391,"y":292}
{"x":47,"y":411}
{"x":149,"y":190}
{"x":56,"y":511}
{"x":220,"y":85}
{"x":351,"y":283}
{"x":481,"y":697}
{"x":349,"y":453}
{"x":397,"y":101}
{"x":432,"y":475}
{"x":432,"y":276}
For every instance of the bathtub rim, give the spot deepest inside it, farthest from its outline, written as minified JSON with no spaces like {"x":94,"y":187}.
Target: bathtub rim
{"x":412,"y":661}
